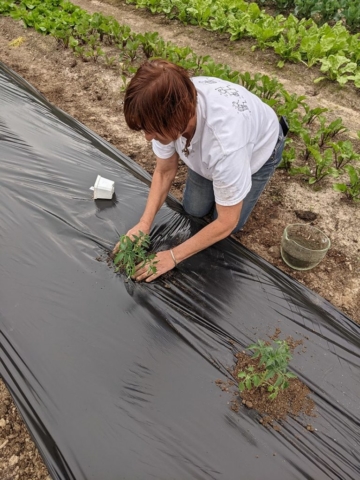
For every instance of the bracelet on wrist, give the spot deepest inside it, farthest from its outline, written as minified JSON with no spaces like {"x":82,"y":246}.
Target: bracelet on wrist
{"x":173,"y":257}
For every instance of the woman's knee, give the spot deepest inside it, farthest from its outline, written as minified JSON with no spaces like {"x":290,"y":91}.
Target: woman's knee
{"x":198,"y":198}
{"x":197,"y":210}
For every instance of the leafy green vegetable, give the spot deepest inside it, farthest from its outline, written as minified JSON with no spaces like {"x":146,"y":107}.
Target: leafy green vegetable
{"x":292,"y":39}
{"x":323,"y":165}
{"x":351,"y":189}
{"x":338,"y":68}
{"x":334,"y":48}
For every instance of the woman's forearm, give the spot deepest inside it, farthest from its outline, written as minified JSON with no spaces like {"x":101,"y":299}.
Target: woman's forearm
{"x":160,"y":187}
{"x":212,"y":233}
{"x":228,"y":218}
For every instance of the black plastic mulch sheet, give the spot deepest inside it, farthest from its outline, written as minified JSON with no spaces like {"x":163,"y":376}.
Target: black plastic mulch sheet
{"x":115,"y":380}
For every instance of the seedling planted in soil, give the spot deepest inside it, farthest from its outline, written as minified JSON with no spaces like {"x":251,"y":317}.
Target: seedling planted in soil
{"x":272,"y":372}
{"x":266,"y":385}
{"x":134,"y":252}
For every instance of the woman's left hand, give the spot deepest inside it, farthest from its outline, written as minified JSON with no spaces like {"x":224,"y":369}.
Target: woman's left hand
{"x":163,"y":262}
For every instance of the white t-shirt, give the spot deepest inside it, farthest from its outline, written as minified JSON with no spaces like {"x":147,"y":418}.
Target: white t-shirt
{"x":235,"y":135}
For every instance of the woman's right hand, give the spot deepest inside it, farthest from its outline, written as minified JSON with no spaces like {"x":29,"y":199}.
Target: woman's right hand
{"x":139,"y":227}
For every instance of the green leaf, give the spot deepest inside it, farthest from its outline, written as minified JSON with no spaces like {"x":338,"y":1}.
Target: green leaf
{"x":269,"y":375}
{"x":340,"y":187}
{"x":353,"y":174}
{"x":256,"y":380}
{"x":278,"y":381}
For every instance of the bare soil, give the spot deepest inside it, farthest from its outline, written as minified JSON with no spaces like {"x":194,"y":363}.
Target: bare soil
{"x":91,"y":92}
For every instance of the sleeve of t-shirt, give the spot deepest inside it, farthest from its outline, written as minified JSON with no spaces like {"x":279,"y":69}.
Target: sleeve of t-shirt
{"x":163,"y":151}
{"x":232,"y":178}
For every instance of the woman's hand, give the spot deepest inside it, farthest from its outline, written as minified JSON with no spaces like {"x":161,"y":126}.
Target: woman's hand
{"x":163,"y":262}
{"x":139,"y":227}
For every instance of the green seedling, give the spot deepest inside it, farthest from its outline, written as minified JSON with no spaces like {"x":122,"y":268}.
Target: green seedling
{"x":249,"y":81}
{"x":351,"y":189}
{"x":289,"y":107}
{"x":124,"y":79}
{"x":273,"y":371}
{"x":134,"y":252}
{"x":130,"y":50}
{"x":344,"y":153}
{"x":310,"y":139}
{"x":109,"y":61}
{"x":80,"y":52}
{"x":312,"y":113}
{"x":287,"y":47}
{"x":148,"y":42}
{"x":288,"y":156}
{"x":94,"y":53}
{"x":322,"y":165}
{"x":330,"y":130}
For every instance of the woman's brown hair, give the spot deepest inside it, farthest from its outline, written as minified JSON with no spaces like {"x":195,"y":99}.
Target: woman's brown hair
{"x":160,"y":98}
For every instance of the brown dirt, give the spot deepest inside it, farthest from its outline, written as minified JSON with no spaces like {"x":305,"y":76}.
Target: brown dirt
{"x":90,"y":92}
{"x":19,"y":458}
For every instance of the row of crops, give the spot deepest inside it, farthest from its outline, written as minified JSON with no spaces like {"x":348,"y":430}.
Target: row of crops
{"x":346,"y":11}
{"x":334,"y":49}
{"x":317,"y":148}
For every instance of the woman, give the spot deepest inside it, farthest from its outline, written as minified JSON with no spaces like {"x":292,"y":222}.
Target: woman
{"x":230,"y":140}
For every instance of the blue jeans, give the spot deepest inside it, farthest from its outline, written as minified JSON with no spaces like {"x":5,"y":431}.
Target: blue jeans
{"x":199,"y":199}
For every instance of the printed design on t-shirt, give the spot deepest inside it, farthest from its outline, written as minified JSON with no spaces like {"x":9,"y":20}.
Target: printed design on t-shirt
{"x":228,"y":91}
{"x":209,"y":81}
{"x":241,"y":105}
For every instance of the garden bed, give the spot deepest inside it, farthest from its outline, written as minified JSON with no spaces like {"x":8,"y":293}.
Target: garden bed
{"x":91,"y":93}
